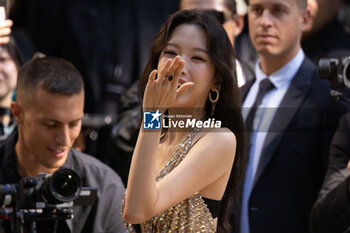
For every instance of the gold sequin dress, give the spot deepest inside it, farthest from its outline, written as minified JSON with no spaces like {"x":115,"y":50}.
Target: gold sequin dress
{"x":191,"y":215}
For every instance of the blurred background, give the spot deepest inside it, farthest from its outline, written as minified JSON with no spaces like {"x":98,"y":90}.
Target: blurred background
{"x":108,"y":41}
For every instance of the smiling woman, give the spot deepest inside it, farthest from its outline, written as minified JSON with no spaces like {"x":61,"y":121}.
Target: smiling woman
{"x":188,"y":180}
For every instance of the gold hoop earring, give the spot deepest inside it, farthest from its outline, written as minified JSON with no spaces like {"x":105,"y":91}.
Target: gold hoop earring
{"x":213,"y":102}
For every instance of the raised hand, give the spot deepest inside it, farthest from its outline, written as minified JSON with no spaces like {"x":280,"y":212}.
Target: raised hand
{"x":162,"y":87}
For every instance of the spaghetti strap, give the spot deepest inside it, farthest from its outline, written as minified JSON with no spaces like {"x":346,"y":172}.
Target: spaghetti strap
{"x":178,"y":155}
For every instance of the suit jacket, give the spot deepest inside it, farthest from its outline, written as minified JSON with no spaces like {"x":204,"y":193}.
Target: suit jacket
{"x":331,"y":213}
{"x":292,"y":164}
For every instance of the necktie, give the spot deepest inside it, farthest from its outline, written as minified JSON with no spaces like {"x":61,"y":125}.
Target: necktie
{"x":264,"y":86}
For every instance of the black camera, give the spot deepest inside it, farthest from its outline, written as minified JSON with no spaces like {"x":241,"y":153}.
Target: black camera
{"x":336,"y":72}
{"x":46,"y":197}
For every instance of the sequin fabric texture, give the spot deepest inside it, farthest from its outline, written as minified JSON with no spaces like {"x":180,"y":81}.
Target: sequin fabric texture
{"x":191,"y":215}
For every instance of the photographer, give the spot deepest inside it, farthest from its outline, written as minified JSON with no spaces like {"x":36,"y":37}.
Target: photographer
{"x":49,"y":111}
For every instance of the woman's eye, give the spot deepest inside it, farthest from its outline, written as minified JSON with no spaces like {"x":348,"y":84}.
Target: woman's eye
{"x":198,"y":58}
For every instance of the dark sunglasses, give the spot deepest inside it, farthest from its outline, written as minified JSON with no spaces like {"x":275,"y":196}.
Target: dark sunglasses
{"x":219,"y":15}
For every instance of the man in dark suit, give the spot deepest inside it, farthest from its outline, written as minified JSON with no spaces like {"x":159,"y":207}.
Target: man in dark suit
{"x":287,"y":122}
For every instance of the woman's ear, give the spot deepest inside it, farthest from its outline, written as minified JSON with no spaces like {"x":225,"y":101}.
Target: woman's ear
{"x":216,"y":86}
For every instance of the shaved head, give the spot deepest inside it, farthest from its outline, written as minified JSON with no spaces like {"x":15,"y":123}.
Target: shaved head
{"x":54,"y":75}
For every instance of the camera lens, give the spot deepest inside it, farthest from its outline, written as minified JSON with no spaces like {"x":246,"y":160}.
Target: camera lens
{"x":64,"y":185}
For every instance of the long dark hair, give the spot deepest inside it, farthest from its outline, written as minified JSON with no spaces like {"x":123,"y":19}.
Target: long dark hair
{"x":228,"y":109}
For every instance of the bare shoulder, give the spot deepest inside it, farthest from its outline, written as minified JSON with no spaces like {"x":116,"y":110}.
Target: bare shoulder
{"x":221,"y":143}
{"x":220,"y":136}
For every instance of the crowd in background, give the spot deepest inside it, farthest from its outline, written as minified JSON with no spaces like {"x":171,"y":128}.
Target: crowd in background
{"x":109,"y":43}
